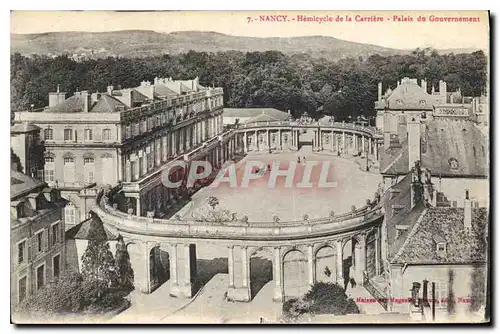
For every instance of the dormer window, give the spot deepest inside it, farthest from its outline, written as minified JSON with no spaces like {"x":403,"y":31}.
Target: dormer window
{"x":399,"y":102}
{"x":422,"y":102}
{"x":453,"y":163}
{"x":441,"y":247}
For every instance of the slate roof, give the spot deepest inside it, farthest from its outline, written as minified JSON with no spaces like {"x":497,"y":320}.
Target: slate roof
{"x":444,"y":140}
{"x":90,"y":229}
{"x":75,"y":103}
{"x":253,"y":112}
{"x":107,"y":103}
{"x":445,"y":224}
{"x":410,"y":94}
{"x":22,"y":184}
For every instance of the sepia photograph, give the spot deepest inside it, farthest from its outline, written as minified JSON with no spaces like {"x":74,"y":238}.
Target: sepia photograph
{"x":250,"y":167}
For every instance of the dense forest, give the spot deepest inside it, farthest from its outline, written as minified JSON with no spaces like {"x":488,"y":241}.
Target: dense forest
{"x":343,"y":88}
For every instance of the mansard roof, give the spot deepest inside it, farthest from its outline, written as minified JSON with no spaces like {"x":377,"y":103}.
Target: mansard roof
{"x":445,"y":225}
{"x":450,"y":147}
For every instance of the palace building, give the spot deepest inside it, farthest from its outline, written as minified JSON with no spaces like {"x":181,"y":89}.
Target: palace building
{"x":121,"y":136}
{"x":446,"y":132}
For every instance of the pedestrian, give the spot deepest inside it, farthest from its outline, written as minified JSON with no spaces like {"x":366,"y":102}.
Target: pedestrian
{"x":298,"y":160}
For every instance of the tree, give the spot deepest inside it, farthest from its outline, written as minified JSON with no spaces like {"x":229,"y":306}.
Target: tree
{"x":213,"y":202}
{"x":99,"y":265}
{"x":124,"y":269}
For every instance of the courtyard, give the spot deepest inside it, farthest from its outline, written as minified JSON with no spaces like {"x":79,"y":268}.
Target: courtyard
{"x":260,"y":202}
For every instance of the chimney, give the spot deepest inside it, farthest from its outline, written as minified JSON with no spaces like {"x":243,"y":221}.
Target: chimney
{"x":467,"y":210}
{"x":56,"y":98}
{"x":94,"y":97}
{"x":442,"y":89}
{"x":86,"y":101}
{"x":110,"y":90}
{"x":413,"y":141}
{"x":424,"y":85}
{"x":379,"y":91}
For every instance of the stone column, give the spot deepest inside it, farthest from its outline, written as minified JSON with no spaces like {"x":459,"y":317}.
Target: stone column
{"x":128,"y":170}
{"x":139,"y":260}
{"x":355,"y":143}
{"x":277,"y":275}
{"x":180,"y":272}
{"x":245,"y":142}
{"x":360,"y":253}
{"x":268,"y":140}
{"x":340,"y":264}
{"x":230,"y":266}
{"x":241,"y":273}
{"x":377,"y":259}
{"x":332,"y":138}
{"x":257,"y":139}
{"x":138,"y":205}
{"x":370,"y":146}
{"x":363,"y":144}
{"x":376,"y":149}
{"x":344,"y":143}
{"x":320,"y":140}
{"x":280,"y":136}
{"x":310,"y":264}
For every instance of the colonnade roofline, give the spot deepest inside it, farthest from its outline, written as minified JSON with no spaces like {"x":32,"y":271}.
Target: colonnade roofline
{"x":370,"y":131}
{"x":355,"y":220}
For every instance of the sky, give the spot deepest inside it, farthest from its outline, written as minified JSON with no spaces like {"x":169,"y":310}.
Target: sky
{"x":400,"y":35}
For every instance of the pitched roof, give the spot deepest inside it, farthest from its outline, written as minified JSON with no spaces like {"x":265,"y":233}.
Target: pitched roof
{"x":108,"y":103}
{"x":253,"y":112}
{"x":445,"y":224}
{"x":21,"y":184}
{"x":445,"y":141}
{"x":90,"y":229}
{"x":409,"y":95}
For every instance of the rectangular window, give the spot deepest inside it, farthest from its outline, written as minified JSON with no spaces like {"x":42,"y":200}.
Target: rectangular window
{"x":22,"y":289}
{"x":106,"y":134}
{"x":441,"y":294}
{"x":20,"y":251}
{"x":88,"y":160}
{"x":90,"y":176}
{"x":48,"y":134}
{"x":88,"y":134}
{"x":49,"y":174}
{"x":39,"y":241}
{"x":49,"y":160}
{"x":68,"y":134}
{"x":56,"y":265}
{"x":40,"y":277}
{"x":55,"y":234}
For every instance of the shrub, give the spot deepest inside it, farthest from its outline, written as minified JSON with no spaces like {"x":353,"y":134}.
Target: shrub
{"x":329,"y":298}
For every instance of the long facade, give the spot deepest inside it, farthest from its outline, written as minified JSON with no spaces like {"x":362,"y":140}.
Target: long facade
{"x":121,"y":136}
